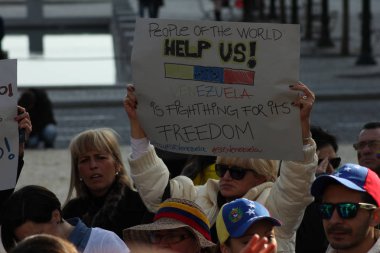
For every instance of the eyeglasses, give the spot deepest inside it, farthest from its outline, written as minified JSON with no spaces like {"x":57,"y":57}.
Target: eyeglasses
{"x":335,"y":162}
{"x":371,"y":144}
{"x":170,"y":238}
{"x":345,"y":210}
{"x":236,"y":173}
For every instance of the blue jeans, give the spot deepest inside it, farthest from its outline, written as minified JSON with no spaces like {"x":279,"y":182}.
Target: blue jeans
{"x":47,"y":136}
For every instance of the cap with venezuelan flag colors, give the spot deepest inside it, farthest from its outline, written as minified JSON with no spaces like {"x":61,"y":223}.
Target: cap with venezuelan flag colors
{"x":237,"y":216}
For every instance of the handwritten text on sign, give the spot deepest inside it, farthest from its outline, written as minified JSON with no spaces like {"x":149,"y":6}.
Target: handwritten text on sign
{"x":8,"y":126}
{"x":218,"y":88}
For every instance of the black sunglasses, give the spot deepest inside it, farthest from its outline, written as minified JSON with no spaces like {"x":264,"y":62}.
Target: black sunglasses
{"x":335,"y":162}
{"x":236,"y":173}
{"x":345,"y":210}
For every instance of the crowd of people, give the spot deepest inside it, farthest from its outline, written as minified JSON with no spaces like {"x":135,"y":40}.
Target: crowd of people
{"x":218,"y":204}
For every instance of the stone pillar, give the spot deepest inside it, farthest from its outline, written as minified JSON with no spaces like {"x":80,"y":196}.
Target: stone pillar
{"x":35,"y":13}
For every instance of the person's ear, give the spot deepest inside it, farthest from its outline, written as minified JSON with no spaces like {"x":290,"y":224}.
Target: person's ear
{"x":224,"y":248}
{"x":56,"y":217}
{"x":375,"y":217}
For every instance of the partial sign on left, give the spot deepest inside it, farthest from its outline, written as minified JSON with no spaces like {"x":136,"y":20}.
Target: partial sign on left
{"x":8,"y":126}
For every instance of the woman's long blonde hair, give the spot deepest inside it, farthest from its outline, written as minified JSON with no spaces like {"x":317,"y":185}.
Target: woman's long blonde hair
{"x":100,"y":139}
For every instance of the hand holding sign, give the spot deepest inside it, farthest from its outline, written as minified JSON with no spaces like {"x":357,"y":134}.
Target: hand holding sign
{"x":130,"y":105}
{"x":305,"y":102}
{"x":24,"y":126}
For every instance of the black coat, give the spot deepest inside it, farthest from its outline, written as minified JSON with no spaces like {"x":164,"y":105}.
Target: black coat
{"x":130,"y":211}
{"x":311,"y":236}
{"x":4,"y":194}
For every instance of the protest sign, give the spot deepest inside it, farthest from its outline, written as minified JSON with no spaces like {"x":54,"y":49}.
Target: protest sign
{"x":8,"y":126}
{"x":218,"y":88}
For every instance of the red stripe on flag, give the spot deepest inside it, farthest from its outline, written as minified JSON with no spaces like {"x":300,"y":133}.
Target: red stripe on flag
{"x":237,"y":76}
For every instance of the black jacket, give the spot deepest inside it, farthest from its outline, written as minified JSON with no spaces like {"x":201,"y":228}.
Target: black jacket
{"x":129,"y":211}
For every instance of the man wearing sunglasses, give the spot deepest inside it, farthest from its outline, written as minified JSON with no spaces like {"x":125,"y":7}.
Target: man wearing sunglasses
{"x":349,"y":207}
{"x":368,"y":146}
{"x":286,"y":197}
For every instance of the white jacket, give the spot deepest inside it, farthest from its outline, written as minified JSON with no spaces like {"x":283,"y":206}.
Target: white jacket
{"x":286,"y":198}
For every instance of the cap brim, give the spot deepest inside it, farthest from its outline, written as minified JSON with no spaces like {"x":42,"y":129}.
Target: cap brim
{"x":140,"y":233}
{"x":249,"y":223}
{"x":319,"y":185}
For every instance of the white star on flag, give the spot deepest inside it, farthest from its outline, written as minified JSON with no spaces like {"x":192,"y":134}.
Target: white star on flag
{"x":348,"y":169}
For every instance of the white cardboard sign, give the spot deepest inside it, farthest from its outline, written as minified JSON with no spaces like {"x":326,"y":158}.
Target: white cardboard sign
{"x":8,"y":126}
{"x":218,"y":88}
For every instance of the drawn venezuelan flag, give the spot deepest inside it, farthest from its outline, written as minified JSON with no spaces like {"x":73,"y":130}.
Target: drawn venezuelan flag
{"x":209,"y":74}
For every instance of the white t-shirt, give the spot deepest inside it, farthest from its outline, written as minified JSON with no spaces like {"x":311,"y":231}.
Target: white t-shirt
{"x":104,"y":241}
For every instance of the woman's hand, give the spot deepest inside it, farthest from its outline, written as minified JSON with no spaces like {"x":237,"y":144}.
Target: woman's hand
{"x":25,"y":124}
{"x":259,"y":245}
{"x":130,"y":102}
{"x":305,"y":102}
{"x":130,"y":106}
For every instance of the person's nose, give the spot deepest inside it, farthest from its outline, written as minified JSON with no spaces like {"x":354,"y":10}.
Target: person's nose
{"x":335,"y":218}
{"x":93,"y":163}
{"x":227,"y":176}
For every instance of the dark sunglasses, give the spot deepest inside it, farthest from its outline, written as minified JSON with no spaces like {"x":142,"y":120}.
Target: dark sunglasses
{"x":345,"y":210}
{"x":236,"y":173}
{"x":335,"y":162}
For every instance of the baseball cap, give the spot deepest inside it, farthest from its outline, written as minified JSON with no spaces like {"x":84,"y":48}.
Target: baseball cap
{"x":235,"y":218}
{"x":352,"y":176}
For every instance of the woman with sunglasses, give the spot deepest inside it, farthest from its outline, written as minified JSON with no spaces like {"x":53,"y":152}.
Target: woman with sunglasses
{"x":254,"y":179}
{"x":310,"y":234}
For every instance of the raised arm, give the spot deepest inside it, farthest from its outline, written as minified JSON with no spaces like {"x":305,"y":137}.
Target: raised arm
{"x":130,"y":106}
{"x":149,"y":173}
{"x":305,"y":102}
{"x":290,"y":194}
{"x":24,"y":126}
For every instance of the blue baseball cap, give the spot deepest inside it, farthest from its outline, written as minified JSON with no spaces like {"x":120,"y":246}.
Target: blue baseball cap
{"x":352,"y":176}
{"x":235,"y":218}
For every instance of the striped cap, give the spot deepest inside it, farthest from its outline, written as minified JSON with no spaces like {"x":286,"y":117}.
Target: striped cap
{"x":187,"y":212}
{"x":174,"y":213}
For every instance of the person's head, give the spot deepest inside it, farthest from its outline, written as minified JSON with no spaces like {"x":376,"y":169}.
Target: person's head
{"x":238,"y":175}
{"x":368,"y":146}
{"x":239,"y":220}
{"x":44,"y":243}
{"x":327,"y":148}
{"x":27,"y":99}
{"x":349,"y":207}
{"x":179,"y":225}
{"x":96,"y":163}
{"x":30,"y":210}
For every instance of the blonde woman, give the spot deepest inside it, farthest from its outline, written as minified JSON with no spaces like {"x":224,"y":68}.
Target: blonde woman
{"x":104,"y":193}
